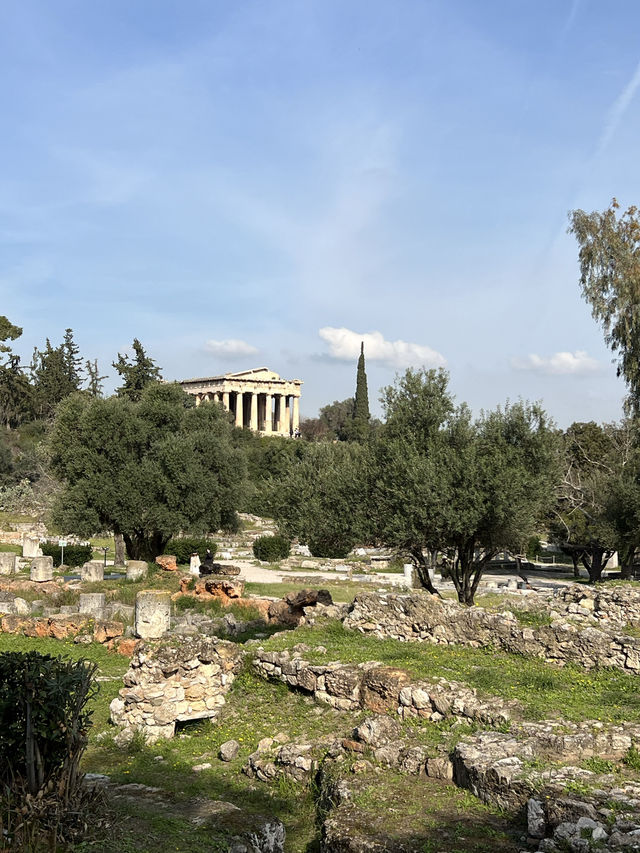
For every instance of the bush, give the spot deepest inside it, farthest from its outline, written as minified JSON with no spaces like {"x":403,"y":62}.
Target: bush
{"x":270,"y":549}
{"x":74,"y":555}
{"x":182,"y":547}
{"x":44,"y":728}
{"x":331,"y":547}
{"x":534,"y":547}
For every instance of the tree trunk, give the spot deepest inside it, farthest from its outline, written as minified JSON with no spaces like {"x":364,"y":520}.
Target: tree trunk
{"x":120,"y":549}
{"x":422,"y":570}
{"x":596,"y":562}
{"x":575,"y":559}
{"x":627,"y":556}
{"x":142,"y":545}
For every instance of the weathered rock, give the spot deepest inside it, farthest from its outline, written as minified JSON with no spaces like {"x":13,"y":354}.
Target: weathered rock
{"x":92,"y":604}
{"x":229,"y":750}
{"x":377,"y":731}
{"x":8,"y":563}
{"x":153,"y":613}
{"x":167,"y":562}
{"x":92,"y":571}
{"x":137,"y":570}
{"x":42,"y":569}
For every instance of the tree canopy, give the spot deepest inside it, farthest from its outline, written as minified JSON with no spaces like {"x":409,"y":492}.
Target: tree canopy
{"x":137,"y":373}
{"x":146,"y":469}
{"x":610,"y":279}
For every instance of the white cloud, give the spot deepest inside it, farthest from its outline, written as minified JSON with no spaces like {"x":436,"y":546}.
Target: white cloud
{"x":345,"y":346}
{"x":232,"y":348}
{"x":574,"y":363}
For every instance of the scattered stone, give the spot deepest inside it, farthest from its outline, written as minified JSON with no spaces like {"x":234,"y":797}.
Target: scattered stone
{"x":229,"y":750}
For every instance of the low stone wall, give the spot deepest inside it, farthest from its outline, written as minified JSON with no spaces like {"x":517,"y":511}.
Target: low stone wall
{"x":61,"y":627}
{"x":373,"y":687}
{"x":425,"y":618}
{"x":169,"y":683}
{"x":616,"y":604}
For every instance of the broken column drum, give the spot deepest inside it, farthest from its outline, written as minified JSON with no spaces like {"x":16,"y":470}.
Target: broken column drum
{"x":153,"y":613}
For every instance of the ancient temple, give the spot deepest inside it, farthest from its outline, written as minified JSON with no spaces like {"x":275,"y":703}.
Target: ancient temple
{"x":259,"y":399}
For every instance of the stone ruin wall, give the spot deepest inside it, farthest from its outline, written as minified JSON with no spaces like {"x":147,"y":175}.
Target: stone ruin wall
{"x":169,"y":683}
{"x":423,"y":618}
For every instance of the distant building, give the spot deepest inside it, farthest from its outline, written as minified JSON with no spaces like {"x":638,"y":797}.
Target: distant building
{"x":258,"y":399}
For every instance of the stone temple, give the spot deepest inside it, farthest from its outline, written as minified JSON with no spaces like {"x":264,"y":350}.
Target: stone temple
{"x":258,"y":399}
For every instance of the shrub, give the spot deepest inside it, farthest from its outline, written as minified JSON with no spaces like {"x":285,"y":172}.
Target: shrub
{"x":332,"y":547}
{"x":182,"y":547}
{"x":74,"y":555}
{"x":270,"y":549}
{"x":44,"y":729}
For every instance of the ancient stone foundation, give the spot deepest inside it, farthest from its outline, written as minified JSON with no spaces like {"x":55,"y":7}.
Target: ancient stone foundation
{"x":170,"y":683}
{"x":136,"y":570}
{"x":8,"y":563}
{"x":425,"y":618}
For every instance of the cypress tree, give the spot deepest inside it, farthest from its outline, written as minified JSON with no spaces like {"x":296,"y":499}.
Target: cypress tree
{"x":361,"y":414}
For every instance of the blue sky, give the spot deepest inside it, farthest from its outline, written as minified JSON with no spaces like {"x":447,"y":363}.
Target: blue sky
{"x":240,"y":184}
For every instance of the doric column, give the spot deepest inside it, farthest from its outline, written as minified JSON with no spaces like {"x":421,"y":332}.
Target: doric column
{"x":277,"y":412}
{"x":287,"y":414}
{"x":225,"y":399}
{"x":239,"y":408}
{"x":268,"y":414}
{"x":296,"y":413}
{"x":198,"y":399}
{"x":253,"y":418}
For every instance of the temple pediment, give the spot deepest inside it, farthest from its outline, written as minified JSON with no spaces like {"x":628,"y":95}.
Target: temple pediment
{"x":260,"y":374}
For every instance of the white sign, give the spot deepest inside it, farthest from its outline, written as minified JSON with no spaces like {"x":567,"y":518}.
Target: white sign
{"x":62,"y":543}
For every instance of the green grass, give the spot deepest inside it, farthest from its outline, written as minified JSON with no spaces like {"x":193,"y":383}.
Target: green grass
{"x":10,"y":549}
{"x":545,"y":691}
{"x":531,"y":618}
{"x":341,"y":591}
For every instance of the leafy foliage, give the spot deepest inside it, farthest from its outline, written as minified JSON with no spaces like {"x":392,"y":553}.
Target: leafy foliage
{"x":182,"y":547}
{"x":44,"y":726}
{"x":271,"y":548}
{"x":610,"y":279}
{"x":145,"y":469}
{"x":74,"y":555}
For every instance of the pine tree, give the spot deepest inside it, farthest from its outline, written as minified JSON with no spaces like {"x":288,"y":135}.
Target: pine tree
{"x":50,"y":377}
{"x":72,"y":362}
{"x":94,"y":380}
{"x":137,"y":374}
{"x":361,"y":416}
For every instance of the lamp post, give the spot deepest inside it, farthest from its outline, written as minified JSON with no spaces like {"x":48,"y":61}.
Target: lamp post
{"x":105,"y":549}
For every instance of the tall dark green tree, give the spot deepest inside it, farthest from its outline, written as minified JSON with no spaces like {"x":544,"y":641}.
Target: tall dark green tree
{"x":136,"y":373}
{"x":72,"y":360}
{"x":15,"y":390}
{"x":359,"y":428}
{"x":94,"y":379}
{"x":52,"y":378}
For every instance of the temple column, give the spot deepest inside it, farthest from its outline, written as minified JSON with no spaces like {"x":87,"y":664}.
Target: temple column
{"x":268,"y":413}
{"x":239,"y":409}
{"x":287,"y":415}
{"x":296,"y":413}
{"x":225,"y":399}
{"x":198,"y":399}
{"x":253,"y":417}
{"x":277,"y":412}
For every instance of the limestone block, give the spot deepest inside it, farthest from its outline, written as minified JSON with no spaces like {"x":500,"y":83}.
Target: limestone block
{"x":31,"y":546}
{"x":42,"y":569}
{"x":92,"y":604}
{"x":136,"y":570}
{"x":194,"y":565}
{"x":167,"y":562}
{"x":8,"y":564}
{"x":92,"y":571}
{"x":153,"y":613}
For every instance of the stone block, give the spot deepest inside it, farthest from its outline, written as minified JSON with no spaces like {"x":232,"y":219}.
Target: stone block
{"x":31,"y":546}
{"x":136,"y":570}
{"x":92,"y":571}
{"x":167,"y":562}
{"x":8,"y":563}
{"x":92,"y":604}
{"x":42,"y":569}
{"x":153,"y":613}
{"x":194,"y":565}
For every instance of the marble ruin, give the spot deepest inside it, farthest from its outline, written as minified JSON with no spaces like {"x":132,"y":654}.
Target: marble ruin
{"x":259,"y":399}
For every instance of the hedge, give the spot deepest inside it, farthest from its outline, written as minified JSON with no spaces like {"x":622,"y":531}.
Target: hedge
{"x":74,"y":555}
{"x":270,"y":549}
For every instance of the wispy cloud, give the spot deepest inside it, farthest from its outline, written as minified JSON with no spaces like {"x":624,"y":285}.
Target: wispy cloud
{"x":618,"y":110}
{"x":233,"y":348}
{"x":344,"y":345}
{"x":560,"y":363}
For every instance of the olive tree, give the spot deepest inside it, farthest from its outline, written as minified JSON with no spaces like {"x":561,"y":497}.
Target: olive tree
{"x":146,"y":469}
